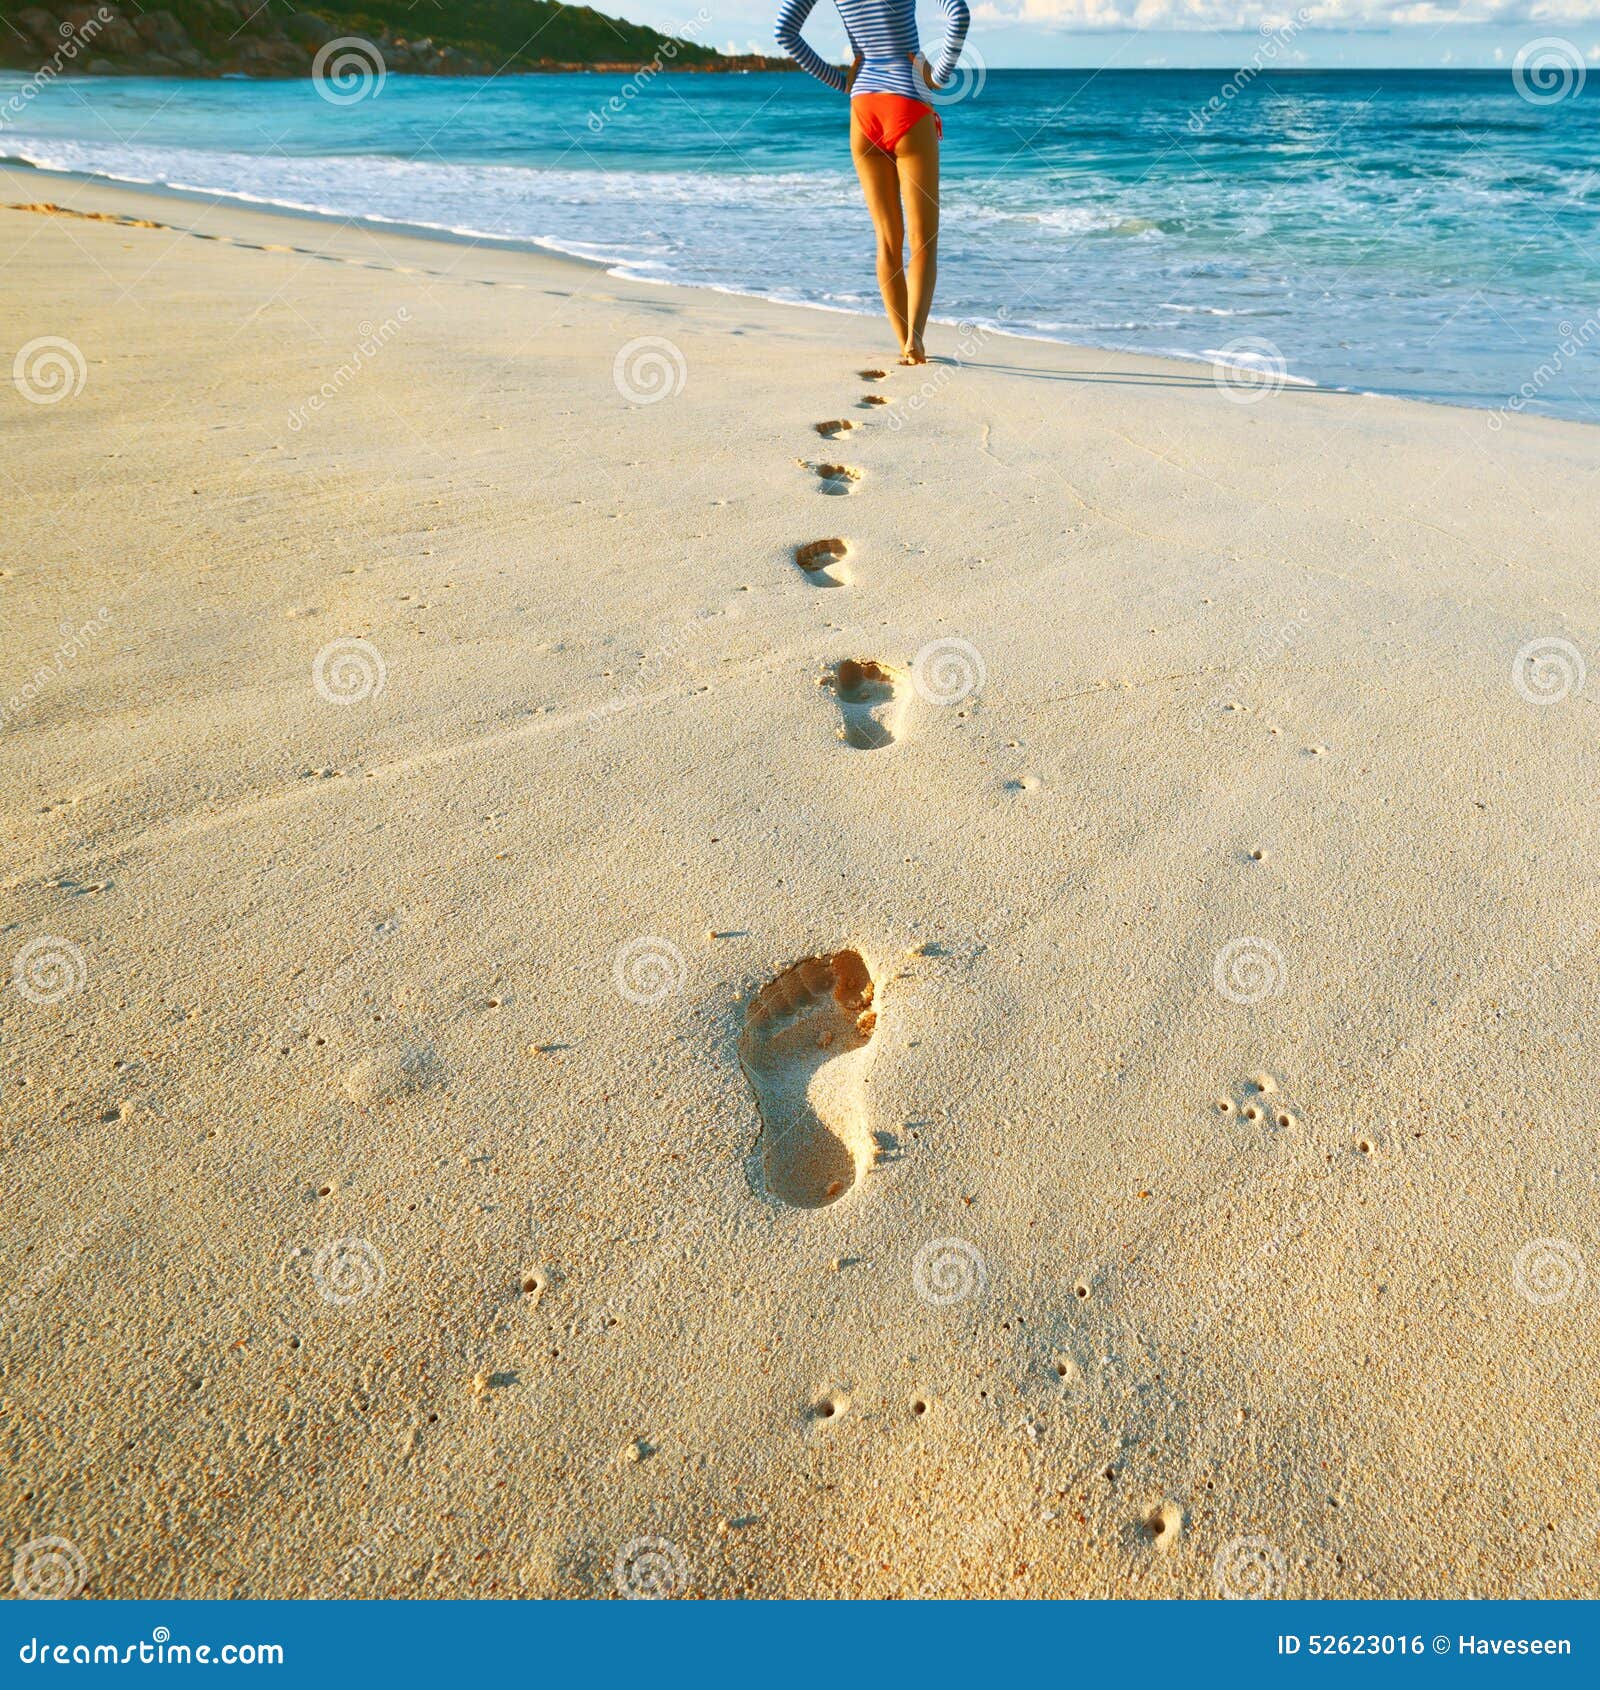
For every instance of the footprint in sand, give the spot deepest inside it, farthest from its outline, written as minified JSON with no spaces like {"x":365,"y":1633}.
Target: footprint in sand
{"x":871,"y":696}
{"x":821,"y":559}
{"x":832,"y":430}
{"x":874,"y":398}
{"x":874,"y":375}
{"x":836,"y":478}
{"x":806,"y":1050}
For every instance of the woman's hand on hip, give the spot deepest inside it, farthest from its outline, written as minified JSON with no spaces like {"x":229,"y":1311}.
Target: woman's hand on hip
{"x":924,"y":72}
{"x":851,"y":74}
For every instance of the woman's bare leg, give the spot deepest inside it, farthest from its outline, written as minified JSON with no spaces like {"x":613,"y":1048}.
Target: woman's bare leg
{"x":917,"y":166}
{"x":880,"y":182}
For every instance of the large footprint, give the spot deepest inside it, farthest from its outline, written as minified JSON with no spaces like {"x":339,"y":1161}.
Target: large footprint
{"x":870,"y":697}
{"x":805,"y":1050}
{"x":822,"y":561}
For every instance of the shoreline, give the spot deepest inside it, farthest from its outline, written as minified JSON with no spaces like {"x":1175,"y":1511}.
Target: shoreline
{"x":983,"y":328}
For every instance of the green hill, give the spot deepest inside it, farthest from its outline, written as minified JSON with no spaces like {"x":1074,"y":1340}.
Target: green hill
{"x":279,"y":38}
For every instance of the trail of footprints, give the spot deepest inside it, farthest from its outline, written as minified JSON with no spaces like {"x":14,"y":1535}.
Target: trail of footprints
{"x":806,"y":1048}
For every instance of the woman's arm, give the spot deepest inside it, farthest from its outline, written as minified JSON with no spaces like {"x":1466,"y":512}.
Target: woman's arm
{"x":793,"y":15}
{"x":956,"y":11}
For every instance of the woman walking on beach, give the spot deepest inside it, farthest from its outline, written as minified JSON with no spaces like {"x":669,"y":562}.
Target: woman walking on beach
{"x":894,"y":139}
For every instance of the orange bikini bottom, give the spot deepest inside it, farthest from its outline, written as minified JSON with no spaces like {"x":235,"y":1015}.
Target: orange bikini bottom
{"x":886,"y":119}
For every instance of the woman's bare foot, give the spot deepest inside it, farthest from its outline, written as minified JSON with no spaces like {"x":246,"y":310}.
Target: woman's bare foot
{"x":913,"y":352}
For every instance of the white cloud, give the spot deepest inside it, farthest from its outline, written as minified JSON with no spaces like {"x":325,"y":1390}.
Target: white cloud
{"x":1236,"y":15}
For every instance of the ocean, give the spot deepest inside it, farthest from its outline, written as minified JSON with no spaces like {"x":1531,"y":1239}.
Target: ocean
{"x":1430,"y":234}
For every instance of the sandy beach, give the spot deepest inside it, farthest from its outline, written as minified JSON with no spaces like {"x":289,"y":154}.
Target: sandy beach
{"x":1171,"y":1171}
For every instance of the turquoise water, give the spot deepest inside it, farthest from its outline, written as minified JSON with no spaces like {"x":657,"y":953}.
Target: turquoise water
{"x":1429,"y":234}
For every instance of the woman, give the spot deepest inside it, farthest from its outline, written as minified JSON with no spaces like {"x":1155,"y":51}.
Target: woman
{"x":894,"y":139}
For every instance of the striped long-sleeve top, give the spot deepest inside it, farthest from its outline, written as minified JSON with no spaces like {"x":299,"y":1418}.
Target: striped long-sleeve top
{"x":883,"y":33}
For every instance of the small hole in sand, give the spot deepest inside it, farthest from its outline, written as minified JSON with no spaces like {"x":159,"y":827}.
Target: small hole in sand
{"x":530,"y":1283}
{"x":1224,"y":1106}
{"x":1285,"y":1119}
{"x":1365,"y":1146}
{"x":324,"y":1191}
{"x":918,"y":1406}
{"x":1251,"y":1113}
{"x":1080,"y":1290}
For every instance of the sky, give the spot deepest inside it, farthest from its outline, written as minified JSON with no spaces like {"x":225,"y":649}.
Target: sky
{"x":1129,"y":34}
